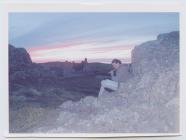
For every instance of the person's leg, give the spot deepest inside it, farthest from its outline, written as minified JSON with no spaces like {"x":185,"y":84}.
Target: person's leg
{"x":108,"y":84}
{"x":101,"y":90}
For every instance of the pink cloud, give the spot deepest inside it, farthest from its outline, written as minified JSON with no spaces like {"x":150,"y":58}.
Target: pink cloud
{"x":112,"y":48}
{"x":77,"y":51}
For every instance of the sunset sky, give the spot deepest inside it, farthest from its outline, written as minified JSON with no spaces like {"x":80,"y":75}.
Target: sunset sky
{"x":100,"y":37}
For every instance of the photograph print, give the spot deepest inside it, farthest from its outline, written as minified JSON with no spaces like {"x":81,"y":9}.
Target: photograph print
{"x":93,"y":72}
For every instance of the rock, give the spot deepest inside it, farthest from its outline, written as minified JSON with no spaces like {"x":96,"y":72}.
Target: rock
{"x":18,"y":58}
{"x":24,"y":73}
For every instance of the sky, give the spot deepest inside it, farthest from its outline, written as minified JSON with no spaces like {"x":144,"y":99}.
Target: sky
{"x":99,"y":37}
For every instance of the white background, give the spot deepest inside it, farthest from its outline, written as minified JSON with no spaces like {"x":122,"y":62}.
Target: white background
{"x":120,"y":5}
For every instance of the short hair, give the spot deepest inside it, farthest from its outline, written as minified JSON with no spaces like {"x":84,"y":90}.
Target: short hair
{"x":116,"y":61}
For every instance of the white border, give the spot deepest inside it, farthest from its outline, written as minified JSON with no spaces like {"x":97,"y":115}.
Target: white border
{"x":83,"y":8}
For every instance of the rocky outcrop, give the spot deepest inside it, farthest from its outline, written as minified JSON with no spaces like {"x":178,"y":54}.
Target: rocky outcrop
{"x":156,"y":69}
{"x":19,"y":59}
{"x":156,"y":56}
{"x":155,"y":84}
{"x":23,"y":73}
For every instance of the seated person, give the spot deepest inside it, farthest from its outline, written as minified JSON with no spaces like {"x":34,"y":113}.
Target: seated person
{"x":118,"y":75}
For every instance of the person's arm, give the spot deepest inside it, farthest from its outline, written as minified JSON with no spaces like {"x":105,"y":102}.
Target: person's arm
{"x":114,"y":76}
{"x":111,"y":72}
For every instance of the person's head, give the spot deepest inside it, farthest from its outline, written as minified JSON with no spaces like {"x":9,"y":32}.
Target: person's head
{"x":116,"y":63}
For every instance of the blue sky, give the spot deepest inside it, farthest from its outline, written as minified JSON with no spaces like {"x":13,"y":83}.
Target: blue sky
{"x":47,"y":36}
